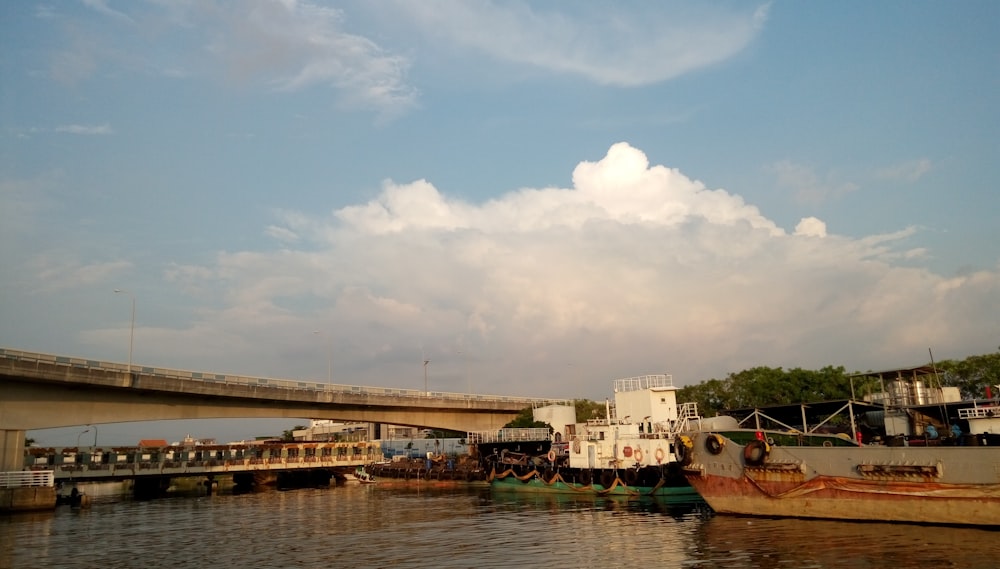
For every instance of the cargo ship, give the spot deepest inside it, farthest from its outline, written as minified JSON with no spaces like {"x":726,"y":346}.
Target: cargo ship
{"x":630,"y":452}
{"x":926,"y":457}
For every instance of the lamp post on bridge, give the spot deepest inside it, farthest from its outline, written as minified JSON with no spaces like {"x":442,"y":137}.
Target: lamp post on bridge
{"x":87,"y":430}
{"x":131,"y":328}
{"x":426,"y":361}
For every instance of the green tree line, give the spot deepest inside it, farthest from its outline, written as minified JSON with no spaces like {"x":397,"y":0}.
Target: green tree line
{"x":763,"y":386}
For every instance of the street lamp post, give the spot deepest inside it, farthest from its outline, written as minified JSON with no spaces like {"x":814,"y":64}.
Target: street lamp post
{"x":131,"y":329}
{"x":426,"y":361}
{"x":87,"y":430}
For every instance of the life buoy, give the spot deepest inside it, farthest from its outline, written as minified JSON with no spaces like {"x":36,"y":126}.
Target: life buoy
{"x":552,"y":456}
{"x":755,"y":453}
{"x":659,"y":456}
{"x":682,"y":449}
{"x":638,"y":455}
{"x":714,"y":443}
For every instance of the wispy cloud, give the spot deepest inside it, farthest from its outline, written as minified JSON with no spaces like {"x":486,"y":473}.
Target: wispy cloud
{"x":910,"y":171}
{"x":625,"y":47}
{"x":806,"y":185}
{"x":296,"y":45}
{"x":55,"y":271}
{"x":285,"y":45}
{"x":88,"y":130}
{"x":103,"y":7}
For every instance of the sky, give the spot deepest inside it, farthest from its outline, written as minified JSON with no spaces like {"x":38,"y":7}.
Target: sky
{"x":538,"y":198}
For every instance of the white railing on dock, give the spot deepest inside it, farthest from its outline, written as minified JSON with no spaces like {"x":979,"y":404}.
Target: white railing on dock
{"x":27,"y":478}
{"x":211,"y":377}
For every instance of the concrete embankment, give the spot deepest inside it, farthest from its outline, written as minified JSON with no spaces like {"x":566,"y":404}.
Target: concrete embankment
{"x":27,"y":499}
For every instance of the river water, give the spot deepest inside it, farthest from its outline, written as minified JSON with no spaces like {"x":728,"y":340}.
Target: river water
{"x":421,"y":525}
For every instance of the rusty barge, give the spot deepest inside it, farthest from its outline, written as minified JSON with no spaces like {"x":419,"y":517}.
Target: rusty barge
{"x":900,"y":469}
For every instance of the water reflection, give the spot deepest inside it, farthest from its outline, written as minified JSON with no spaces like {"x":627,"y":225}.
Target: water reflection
{"x":421,"y":526}
{"x":728,"y":541}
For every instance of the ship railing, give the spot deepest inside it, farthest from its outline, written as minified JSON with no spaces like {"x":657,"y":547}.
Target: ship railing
{"x":509,"y":435}
{"x":979,"y":412}
{"x":686,"y":414}
{"x":641,"y":382}
{"x":27,"y":479}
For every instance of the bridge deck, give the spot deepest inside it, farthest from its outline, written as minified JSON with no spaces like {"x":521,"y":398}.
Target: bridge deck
{"x":224,"y":379}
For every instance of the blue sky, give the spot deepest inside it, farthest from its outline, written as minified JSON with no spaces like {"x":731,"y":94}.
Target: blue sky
{"x":537,"y":197}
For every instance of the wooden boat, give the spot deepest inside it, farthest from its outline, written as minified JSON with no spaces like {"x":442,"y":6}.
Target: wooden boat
{"x":899,"y":473}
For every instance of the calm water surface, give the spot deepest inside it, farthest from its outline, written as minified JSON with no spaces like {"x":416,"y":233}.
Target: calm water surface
{"x":435,"y":527}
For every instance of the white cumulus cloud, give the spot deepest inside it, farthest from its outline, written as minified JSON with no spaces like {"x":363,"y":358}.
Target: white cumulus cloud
{"x":635,"y":268}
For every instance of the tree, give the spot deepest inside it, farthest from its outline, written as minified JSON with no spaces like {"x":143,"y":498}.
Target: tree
{"x":526,"y":420}
{"x":973,"y":375}
{"x":587,"y":410}
{"x":289,"y":435}
{"x":762,"y":386}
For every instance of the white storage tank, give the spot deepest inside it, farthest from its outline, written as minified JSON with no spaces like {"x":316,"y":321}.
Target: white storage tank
{"x":556,"y":415}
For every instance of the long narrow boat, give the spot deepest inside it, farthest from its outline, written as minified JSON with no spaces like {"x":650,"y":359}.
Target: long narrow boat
{"x":905,"y":472}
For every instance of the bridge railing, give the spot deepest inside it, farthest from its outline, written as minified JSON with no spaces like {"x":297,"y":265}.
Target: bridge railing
{"x":212,"y":377}
{"x":27,"y":478}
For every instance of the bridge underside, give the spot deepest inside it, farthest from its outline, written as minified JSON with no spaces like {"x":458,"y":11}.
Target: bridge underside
{"x":41,"y":393}
{"x":32,"y":405}
{"x":26,"y":407}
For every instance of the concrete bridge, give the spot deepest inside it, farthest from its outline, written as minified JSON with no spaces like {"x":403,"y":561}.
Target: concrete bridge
{"x":40,"y":391}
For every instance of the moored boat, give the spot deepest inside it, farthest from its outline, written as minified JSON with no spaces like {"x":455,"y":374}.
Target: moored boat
{"x":903,"y":470}
{"x":362,"y":476}
{"x":628,"y":453}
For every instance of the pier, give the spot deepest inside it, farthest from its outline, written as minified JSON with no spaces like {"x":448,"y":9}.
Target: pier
{"x":118,"y":463}
{"x":152,"y":468}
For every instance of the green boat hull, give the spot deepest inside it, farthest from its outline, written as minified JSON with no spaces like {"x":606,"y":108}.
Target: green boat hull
{"x":535,"y":482}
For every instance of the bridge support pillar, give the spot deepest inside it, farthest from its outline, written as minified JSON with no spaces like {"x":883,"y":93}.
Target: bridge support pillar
{"x":11,"y":450}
